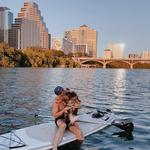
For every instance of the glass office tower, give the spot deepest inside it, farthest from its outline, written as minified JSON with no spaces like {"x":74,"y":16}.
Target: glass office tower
{"x":6,"y":20}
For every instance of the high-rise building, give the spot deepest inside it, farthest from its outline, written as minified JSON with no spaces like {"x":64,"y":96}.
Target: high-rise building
{"x":6,"y":19}
{"x":29,"y":29}
{"x":67,"y":46}
{"x":117,"y":50}
{"x":133,"y":56}
{"x":145,"y":55}
{"x":83,"y":38}
{"x":57,"y":43}
{"x":62,"y":44}
{"x":49,"y":41}
{"x":81,"y":48}
{"x":107,"y":54}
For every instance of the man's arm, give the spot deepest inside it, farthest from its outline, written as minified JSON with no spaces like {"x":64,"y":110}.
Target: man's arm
{"x":55,"y":110}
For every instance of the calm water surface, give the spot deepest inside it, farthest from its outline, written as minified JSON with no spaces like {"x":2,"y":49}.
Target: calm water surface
{"x":26,"y":91}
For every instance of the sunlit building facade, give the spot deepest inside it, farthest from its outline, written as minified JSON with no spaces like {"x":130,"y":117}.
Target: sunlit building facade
{"x":6,"y":20}
{"x":29,"y":29}
{"x":145,"y":55}
{"x":83,"y":38}
{"x":107,"y":54}
{"x":81,"y":48}
{"x":117,"y":50}
{"x":62,"y":44}
{"x":57,"y":43}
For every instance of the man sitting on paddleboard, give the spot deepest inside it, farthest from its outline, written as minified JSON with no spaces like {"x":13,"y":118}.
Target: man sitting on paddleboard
{"x":59,"y":111}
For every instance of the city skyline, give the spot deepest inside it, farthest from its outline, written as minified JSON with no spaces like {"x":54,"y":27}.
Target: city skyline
{"x":119,"y":22}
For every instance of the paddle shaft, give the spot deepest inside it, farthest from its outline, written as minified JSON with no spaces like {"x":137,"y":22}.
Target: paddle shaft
{"x":44,"y":116}
{"x":52,"y":119}
{"x":124,"y":126}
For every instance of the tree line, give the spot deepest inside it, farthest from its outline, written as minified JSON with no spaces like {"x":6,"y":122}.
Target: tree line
{"x":33,"y":57}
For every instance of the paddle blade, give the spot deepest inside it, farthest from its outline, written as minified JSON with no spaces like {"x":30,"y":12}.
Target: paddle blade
{"x":124,"y":134}
{"x":125,"y":126}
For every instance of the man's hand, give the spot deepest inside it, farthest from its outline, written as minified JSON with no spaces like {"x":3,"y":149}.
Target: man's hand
{"x":77,"y":105}
{"x":67,"y":108}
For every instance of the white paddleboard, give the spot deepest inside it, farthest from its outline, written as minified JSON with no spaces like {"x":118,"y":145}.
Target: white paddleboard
{"x":40,"y":137}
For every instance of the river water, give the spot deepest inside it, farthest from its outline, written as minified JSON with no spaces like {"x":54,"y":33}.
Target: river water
{"x":26,"y":91}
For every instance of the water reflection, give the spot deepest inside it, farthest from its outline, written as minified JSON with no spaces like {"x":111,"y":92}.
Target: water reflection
{"x":119,"y":86}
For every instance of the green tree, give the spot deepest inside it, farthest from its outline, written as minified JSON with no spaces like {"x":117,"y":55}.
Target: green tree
{"x":33,"y":57}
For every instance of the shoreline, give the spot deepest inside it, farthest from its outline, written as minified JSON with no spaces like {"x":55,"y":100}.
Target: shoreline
{"x":74,"y":68}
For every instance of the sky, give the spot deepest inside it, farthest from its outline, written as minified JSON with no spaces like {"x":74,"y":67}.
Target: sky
{"x":116,"y":21}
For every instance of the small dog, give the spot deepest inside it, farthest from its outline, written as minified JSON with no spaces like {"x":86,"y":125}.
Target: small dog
{"x":74,"y":103}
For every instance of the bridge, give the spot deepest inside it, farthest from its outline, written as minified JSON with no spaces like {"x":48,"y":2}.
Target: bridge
{"x":130,"y":61}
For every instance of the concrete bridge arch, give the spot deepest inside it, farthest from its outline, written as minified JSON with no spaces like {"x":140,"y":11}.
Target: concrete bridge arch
{"x":85,"y":61}
{"x":111,"y":61}
{"x":105,"y":62}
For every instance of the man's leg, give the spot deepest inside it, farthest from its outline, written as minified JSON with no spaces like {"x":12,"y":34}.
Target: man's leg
{"x":75,"y":129}
{"x":59,"y":133}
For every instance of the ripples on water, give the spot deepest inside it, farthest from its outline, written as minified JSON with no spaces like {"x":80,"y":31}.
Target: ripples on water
{"x":26,"y":91}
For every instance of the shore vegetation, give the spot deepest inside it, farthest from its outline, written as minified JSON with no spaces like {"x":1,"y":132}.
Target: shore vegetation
{"x":37,"y":57}
{"x":33,"y":57}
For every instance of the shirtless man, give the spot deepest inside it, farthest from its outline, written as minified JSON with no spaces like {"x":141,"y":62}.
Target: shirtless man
{"x":59,"y":111}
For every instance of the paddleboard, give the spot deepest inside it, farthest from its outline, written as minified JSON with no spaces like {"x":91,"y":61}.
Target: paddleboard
{"x":40,"y":137}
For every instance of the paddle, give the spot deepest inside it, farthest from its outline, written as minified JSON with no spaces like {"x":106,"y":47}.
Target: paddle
{"x":126,"y":126}
{"x":44,"y":116}
{"x":124,"y":134}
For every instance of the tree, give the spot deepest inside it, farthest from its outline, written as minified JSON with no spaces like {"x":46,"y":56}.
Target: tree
{"x":33,"y":57}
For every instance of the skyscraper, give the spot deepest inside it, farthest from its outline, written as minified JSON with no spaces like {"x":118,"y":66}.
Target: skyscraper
{"x":107,"y":54}
{"x":117,"y":49}
{"x":29,"y":29}
{"x":83,"y":37}
{"x":6,"y":19}
{"x":62,"y":44}
{"x":145,"y":55}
